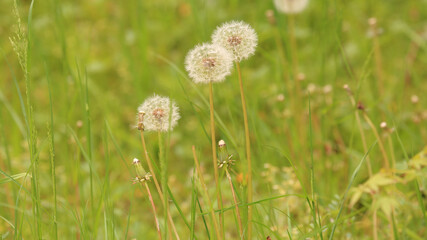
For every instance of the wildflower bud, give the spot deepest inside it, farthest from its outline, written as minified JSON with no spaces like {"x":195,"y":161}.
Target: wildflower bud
{"x":327,"y":89}
{"x":311,"y":88}
{"x":79,"y":123}
{"x":301,"y":77}
{"x":383,"y":125}
{"x":222,"y":153}
{"x":347,"y":88}
{"x":280,"y":97}
{"x":140,"y":171}
{"x":414,"y":99}
{"x":270,"y":17}
{"x":135,"y":161}
{"x":141,"y":174}
{"x":372,"y":21}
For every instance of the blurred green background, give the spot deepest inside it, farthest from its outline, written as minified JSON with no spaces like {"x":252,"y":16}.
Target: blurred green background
{"x":125,"y":51}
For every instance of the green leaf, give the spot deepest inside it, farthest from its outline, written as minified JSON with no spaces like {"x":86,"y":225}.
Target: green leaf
{"x":13,"y":177}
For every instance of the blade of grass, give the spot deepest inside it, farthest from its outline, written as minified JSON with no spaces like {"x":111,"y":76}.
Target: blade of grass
{"x":352,"y":178}
{"x":52,"y":157}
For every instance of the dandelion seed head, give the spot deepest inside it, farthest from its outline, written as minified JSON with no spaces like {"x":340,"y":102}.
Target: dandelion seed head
{"x":291,"y":6}
{"x":237,"y":37}
{"x":160,"y":114}
{"x":208,"y":63}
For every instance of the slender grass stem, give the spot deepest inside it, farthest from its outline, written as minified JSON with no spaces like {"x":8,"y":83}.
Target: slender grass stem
{"x":375,"y":220}
{"x":214,"y":155}
{"x":248,"y":150}
{"x":202,"y":182}
{"x":52,"y":163}
{"x":164,"y":180}
{"x":156,"y":183}
{"x":239,"y":219}
{"x":153,"y":206}
{"x":391,"y":149}
{"x":380,"y":143}
{"x":294,"y":53}
{"x":297,"y":95}
{"x":362,"y":134}
{"x":377,"y":56}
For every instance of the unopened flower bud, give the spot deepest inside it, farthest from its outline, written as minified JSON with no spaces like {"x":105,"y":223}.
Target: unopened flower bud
{"x":221,"y":143}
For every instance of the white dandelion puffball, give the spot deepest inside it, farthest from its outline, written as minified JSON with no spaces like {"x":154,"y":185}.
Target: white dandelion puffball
{"x":159,"y":113}
{"x":237,"y":37}
{"x":291,"y":6}
{"x":208,"y":63}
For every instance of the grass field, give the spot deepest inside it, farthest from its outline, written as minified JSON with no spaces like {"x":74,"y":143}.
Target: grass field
{"x":336,"y":111}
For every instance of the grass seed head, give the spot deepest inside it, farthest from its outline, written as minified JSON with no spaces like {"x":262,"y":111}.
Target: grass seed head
{"x":237,"y":37}
{"x":158,"y":114}
{"x":208,"y":63}
{"x":290,"y":6}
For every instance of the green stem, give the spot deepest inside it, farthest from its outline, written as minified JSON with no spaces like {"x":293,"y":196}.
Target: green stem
{"x":239,"y":219}
{"x":380,"y":143}
{"x":214,"y":154}
{"x":164,"y":181}
{"x":205,"y":191}
{"x":153,"y":206}
{"x":248,"y":150}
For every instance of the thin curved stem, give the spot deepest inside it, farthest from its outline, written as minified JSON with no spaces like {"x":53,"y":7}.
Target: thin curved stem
{"x":380,"y":143}
{"x":154,"y":210}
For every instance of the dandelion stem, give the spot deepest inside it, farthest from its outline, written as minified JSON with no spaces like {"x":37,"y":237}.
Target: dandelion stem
{"x":202,"y":182}
{"x":248,"y":150}
{"x":214,"y":154}
{"x":156,"y":183}
{"x":239,"y":219}
{"x":154,"y":210}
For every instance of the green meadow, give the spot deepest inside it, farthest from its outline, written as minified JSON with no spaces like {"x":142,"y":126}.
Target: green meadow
{"x":336,"y":121}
